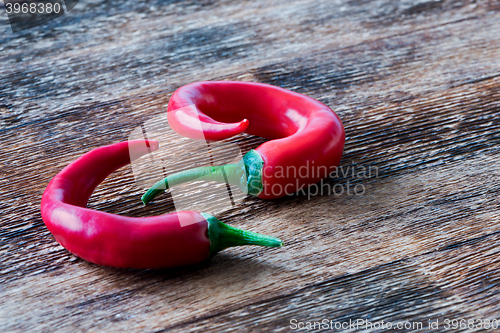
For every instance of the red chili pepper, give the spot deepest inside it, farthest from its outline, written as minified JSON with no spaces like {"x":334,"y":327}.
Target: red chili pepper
{"x":175,"y":239}
{"x":307,"y":137}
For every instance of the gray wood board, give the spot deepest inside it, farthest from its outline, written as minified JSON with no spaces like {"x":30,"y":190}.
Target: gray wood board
{"x":417,"y":86}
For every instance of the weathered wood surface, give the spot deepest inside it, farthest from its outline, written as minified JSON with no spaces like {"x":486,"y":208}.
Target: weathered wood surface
{"x":417,"y":85}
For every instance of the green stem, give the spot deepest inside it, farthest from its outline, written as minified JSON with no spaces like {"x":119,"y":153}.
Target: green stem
{"x":247,"y":175}
{"x":230,"y":173}
{"x":223,"y":236}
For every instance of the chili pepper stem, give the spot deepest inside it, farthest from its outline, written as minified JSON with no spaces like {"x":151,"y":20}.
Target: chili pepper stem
{"x":223,"y":236}
{"x":245,"y":174}
{"x":230,"y":173}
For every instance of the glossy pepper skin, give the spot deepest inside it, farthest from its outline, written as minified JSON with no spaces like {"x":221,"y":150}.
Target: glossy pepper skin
{"x":171,"y":240}
{"x":303,"y":132}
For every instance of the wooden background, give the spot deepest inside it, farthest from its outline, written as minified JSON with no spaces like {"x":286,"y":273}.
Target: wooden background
{"x":417,"y":86}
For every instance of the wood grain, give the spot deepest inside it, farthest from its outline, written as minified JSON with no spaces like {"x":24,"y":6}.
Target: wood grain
{"x":417,"y":86}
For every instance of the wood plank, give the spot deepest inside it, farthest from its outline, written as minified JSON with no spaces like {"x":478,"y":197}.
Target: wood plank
{"x":83,"y":57}
{"x":418,"y":95}
{"x":339,"y":244}
{"x":408,"y":292}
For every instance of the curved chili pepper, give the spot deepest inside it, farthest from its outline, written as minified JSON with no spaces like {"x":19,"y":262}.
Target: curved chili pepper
{"x":305,"y":135}
{"x":175,"y":239}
